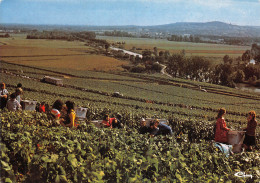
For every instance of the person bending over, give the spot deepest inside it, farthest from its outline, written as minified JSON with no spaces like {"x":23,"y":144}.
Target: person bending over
{"x":143,"y":128}
{"x":158,"y":128}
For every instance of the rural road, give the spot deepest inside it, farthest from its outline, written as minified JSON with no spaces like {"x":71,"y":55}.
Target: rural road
{"x":164,"y":72}
{"x":135,"y":54}
{"x":125,"y":51}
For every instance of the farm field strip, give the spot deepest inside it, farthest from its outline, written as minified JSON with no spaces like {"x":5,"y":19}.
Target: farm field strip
{"x":187,"y":98}
{"x":195,"y":84}
{"x":66,"y":72}
{"x":182,"y":85}
{"x":196,"y":87}
{"x":77,"y":62}
{"x":104,"y":90}
{"x":18,"y":68}
{"x":167,"y":95}
{"x":204,"y":49}
{"x":175,"y":109}
{"x":47,"y":52}
{"x":152,"y":110}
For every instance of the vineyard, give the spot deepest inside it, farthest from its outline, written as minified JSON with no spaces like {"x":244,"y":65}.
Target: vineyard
{"x":33,"y":150}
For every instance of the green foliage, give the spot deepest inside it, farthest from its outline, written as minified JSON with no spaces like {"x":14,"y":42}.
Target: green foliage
{"x":36,"y":152}
{"x":62,"y":35}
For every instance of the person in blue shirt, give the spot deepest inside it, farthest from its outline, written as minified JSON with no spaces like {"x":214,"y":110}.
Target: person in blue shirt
{"x":158,"y":128}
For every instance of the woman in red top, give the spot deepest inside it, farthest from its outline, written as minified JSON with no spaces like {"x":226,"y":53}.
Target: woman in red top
{"x":42,"y":107}
{"x":221,"y":127}
{"x":250,"y":138}
{"x":106,"y":121}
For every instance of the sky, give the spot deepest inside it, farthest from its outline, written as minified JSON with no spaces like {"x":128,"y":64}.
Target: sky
{"x":129,"y":12}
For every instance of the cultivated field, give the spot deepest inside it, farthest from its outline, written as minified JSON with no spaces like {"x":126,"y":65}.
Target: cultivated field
{"x":216,"y":51}
{"x":55,"y":54}
{"x":33,"y":150}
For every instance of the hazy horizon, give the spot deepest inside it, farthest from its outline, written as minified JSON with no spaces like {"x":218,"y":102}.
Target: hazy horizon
{"x":128,"y":12}
{"x":119,"y":25}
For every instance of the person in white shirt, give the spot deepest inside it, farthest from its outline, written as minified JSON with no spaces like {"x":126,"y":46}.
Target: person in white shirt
{"x":3,"y":96}
{"x":18,"y":93}
{"x":13,"y":104}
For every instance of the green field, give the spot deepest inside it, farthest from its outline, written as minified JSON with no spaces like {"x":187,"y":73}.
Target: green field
{"x":199,"y":49}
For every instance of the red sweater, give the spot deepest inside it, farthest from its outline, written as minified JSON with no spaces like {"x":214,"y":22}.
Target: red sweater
{"x":42,"y":108}
{"x":221,"y":131}
{"x":108,"y":123}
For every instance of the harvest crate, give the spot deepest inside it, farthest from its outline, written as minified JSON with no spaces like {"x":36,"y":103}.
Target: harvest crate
{"x":81,"y":113}
{"x":28,"y":105}
{"x":97,"y":123}
{"x":148,"y":121}
{"x":52,"y":80}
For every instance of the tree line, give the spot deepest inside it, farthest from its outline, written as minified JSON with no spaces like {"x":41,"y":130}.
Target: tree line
{"x":5,"y":35}
{"x":62,"y":35}
{"x":227,"y":73}
{"x":185,"y":38}
{"x":118,"y":33}
{"x":214,"y":39}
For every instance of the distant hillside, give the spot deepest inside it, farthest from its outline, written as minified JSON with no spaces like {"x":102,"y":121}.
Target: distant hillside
{"x":214,"y":28}
{"x":209,"y":28}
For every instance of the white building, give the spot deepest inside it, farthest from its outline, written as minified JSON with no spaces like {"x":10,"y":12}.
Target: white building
{"x":252,"y":61}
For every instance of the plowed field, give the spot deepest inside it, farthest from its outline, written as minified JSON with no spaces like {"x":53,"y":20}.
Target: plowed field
{"x":55,"y":54}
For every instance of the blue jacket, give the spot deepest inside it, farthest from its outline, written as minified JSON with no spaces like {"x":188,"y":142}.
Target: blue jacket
{"x":162,"y":129}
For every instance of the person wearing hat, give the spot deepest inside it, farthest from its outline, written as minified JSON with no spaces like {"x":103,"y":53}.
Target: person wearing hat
{"x":143,"y":128}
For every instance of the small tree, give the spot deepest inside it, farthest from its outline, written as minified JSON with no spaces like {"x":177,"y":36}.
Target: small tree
{"x":239,"y":76}
{"x":155,"y":51}
{"x":227,"y":59}
{"x":106,"y":47}
{"x":246,"y":56}
{"x":183,"y":52}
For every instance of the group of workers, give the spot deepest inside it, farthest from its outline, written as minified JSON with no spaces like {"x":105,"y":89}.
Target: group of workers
{"x":112,"y":122}
{"x":65,"y":115}
{"x":62,"y":113}
{"x":154,"y":128}
{"x":221,"y":131}
{"x":14,"y":102}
